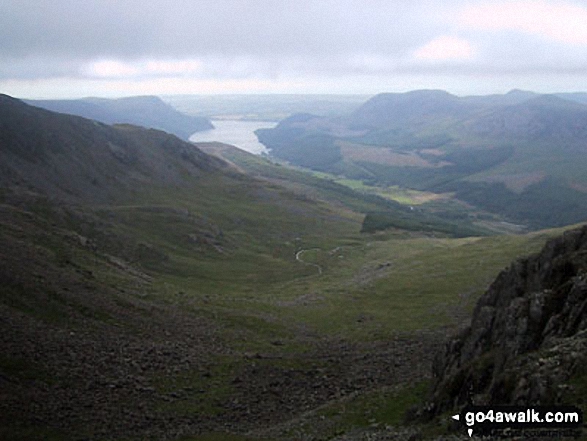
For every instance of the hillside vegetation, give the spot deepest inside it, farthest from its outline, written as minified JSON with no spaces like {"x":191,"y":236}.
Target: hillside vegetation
{"x":519,"y":155}
{"x":155,"y":289}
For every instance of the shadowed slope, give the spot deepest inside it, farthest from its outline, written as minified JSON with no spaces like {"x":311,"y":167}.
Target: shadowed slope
{"x":147,"y":111}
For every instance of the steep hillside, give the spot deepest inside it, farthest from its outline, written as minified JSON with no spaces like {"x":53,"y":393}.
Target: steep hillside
{"x":527,"y":340}
{"x":514,"y":96}
{"x":130,"y":270}
{"x":381,"y":213}
{"x":580,"y":97}
{"x":125,"y":173}
{"x":146,"y":111}
{"x":72,"y":157}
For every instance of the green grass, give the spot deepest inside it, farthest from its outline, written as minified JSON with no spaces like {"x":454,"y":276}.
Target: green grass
{"x":396,"y":193}
{"x":308,"y":183}
{"x":538,"y":157}
{"x":224,"y":249}
{"x":398,"y":284}
{"x":370,"y":287}
{"x":384,"y":206}
{"x":217,"y":436}
{"x":198,"y":393}
{"x":377,"y":409}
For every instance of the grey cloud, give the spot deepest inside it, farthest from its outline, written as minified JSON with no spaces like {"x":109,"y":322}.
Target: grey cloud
{"x":340,"y":40}
{"x":240,"y":38}
{"x":128,"y":28}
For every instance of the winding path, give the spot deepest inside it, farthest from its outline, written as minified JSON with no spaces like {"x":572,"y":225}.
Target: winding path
{"x":299,"y":259}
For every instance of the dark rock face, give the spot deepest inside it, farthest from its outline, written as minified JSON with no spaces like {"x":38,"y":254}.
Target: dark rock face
{"x":528,"y":334}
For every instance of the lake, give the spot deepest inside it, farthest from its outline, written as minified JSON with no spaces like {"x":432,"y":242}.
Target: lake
{"x":241,"y":134}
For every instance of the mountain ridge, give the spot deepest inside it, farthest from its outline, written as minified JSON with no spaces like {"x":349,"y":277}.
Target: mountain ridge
{"x":148,"y":111}
{"x":40,"y":148}
{"x":394,"y":110}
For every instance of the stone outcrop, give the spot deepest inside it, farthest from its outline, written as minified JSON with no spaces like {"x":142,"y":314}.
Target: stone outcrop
{"x":527,"y":337}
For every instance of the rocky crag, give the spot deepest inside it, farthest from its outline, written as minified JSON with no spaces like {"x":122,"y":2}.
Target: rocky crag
{"x":527,"y":341}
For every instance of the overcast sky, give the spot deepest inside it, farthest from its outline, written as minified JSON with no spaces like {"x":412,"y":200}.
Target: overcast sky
{"x":74,"y":48}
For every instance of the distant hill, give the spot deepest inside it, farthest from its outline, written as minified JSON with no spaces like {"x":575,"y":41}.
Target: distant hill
{"x":544,"y":117}
{"x":411,"y":110}
{"x":580,"y":97}
{"x":146,"y":111}
{"x":79,"y":159}
{"x":514,"y":96}
{"x":522,"y":154}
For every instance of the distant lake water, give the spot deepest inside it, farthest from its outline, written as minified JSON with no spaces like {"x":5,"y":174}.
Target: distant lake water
{"x":241,"y":134}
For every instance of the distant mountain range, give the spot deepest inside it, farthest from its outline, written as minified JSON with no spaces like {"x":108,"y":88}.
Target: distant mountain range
{"x":522,"y":154}
{"x":146,"y":111}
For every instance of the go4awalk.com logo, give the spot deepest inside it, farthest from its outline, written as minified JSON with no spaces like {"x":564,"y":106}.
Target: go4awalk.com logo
{"x":518,"y":421}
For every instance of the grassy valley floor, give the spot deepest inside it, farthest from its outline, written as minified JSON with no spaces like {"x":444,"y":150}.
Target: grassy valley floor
{"x":184,"y":339}
{"x":231,"y":307}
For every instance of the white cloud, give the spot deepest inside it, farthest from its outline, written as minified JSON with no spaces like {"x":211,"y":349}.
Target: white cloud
{"x":445,"y":48}
{"x":71,"y":87}
{"x":110,"y":69}
{"x":560,"y":21}
{"x":173,"y":67}
{"x":145,"y":68}
{"x":290,"y":46}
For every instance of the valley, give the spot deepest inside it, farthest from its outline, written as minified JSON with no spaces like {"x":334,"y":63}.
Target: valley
{"x":158,"y":289}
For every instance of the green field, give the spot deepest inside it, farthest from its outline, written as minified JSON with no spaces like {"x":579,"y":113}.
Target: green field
{"x":368,"y":286}
{"x":396,"y":193}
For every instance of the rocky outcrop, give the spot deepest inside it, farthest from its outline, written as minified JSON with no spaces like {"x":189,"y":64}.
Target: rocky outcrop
{"x":528,"y":334}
